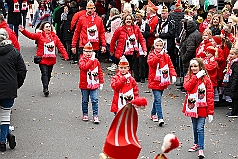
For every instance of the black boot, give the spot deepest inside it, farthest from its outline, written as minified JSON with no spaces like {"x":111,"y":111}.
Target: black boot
{"x":11,"y":140}
{"x":46,"y":92}
{"x":3,"y":147}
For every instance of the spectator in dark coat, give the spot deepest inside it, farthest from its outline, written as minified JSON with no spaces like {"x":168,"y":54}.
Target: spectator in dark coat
{"x":193,"y":39}
{"x":2,"y":8}
{"x":111,"y":5}
{"x":66,"y":18}
{"x":58,"y":20}
{"x":14,"y":18}
{"x":12,"y":76}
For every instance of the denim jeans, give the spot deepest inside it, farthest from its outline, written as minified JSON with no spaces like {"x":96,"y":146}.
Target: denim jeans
{"x":157,"y":108}
{"x":94,"y":99}
{"x":45,"y":74}
{"x":14,"y":28}
{"x":5,"y":112}
{"x":198,"y":131}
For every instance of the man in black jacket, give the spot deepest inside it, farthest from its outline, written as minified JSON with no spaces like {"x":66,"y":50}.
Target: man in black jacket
{"x":165,"y":30}
{"x":12,"y":76}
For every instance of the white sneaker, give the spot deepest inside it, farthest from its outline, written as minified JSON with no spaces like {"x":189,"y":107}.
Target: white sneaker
{"x":161,"y":122}
{"x":96,"y":120}
{"x":113,"y":67}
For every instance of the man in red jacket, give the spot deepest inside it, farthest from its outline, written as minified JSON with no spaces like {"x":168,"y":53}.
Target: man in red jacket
{"x":12,"y":35}
{"x":89,"y":29}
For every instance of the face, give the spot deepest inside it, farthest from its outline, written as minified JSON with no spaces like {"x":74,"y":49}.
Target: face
{"x":205,"y":36}
{"x":209,"y":55}
{"x":123,"y":69}
{"x":194,"y":68}
{"x":138,"y":18}
{"x":232,"y":55}
{"x":228,"y":6}
{"x":148,"y":12}
{"x":87,"y":54}
{"x":90,"y":11}
{"x":164,"y":15}
{"x":128,"y":20}
{"x":66,"y":9}
{"x":47,"y":28}
{"x":209,"y":16}
{"x":159,"y":46}
{"x":226,"y":14}
{"x":216,"y":21}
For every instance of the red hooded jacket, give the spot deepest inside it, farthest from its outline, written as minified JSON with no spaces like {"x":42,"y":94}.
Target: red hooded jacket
{"x":120,"y":36}
{"x":84,"y":65}
{"x":41,"y":39}
{"x":189,"y":85}
{"x":153,"y":60}
{"x":11,"y":34}
{"x":81,"y":31}
{"x":117,"y":82}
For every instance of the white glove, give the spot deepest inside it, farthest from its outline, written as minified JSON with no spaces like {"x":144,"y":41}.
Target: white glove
{"x":101,"y":86}
{"x":200,"y":73}
{"x":210,"y":118}
{"x":127,"y":75}
{"x":93,"y":56}
{"x":173,"y":79}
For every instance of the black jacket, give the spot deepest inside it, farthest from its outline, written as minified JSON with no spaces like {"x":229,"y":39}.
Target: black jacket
{"x":65,"y":26}
{"x":231,"y":88}
{"x":177,"y":17}
{"x":170,"y":35}
{"x":14,"y":18}
{"x":12,"y":71}
{"x":189,"y":46}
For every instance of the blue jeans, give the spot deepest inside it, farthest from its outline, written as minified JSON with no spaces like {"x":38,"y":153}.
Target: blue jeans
{"x":94,"y":99}
{"x":5,"y":112}
{"x":14,"y":28}
{"x":157,"y":108}
{"x":198,"y":131}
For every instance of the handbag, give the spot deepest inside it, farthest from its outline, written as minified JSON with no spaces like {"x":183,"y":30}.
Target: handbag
{"x":37,"y":59}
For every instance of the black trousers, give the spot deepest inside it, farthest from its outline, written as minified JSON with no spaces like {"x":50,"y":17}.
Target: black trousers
{"x":234,"y":106}
{"x":68,"y":48}
{"x":45,"y":74}
{"x":131,"y":60}
{"x":139,"y":67}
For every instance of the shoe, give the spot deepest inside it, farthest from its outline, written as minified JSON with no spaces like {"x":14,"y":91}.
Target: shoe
{"x":183,"y":90}
{"x":85,"y":118}
{"x":46,"y":92}
{"x":201,"y":154}
{"x":225,"y":103}
{"x":216,"y":104}
{"x":154,"y":118}
{"x":193,"y":148}
{"x":113,"y":67}
{"x":74,"y":62}
{"x":161,"y":122}
{"x":11,"y":140}
{"x":96,"y":120}
{"x":142,"y":80}
{"x":179,"y":84}
{"x":229,"y":115}
{"x":3,"y":147}
{"x":230,"y":108}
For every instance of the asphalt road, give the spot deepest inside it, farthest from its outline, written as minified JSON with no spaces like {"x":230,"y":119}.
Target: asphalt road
{"x":51,"y":127}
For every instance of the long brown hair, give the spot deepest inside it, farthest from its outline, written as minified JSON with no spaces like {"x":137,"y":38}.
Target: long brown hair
{"x":201,"y":67}
{"x":42,"y":25}
{"x":124,"y":19}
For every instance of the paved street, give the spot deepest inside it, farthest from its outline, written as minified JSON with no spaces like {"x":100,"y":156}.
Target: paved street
{"x":51,"y":127}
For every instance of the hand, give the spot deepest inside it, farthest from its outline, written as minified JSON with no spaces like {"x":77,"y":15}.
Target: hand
{"x":127,"y":75}
{"x":73,"y":50}
{"x":156,"y":35}
{"x":200,"y":73}
{"x":173,"y":79}
{"x":103,"y":50}
{"x":210,"y":118}
{"x":145,"y":53}
{"x":111,"y":53}
{"x":101,"y":87}
{"x":21,"y":28}
{"x":93,"y":56}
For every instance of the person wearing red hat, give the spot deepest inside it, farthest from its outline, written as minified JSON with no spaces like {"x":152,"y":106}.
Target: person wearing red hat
{"x":89,"y":28}
{"x":211,"y":64}
{"x":124,"y":86}
{"x":151,"y":19}
{"x":206,"y":36}
{"x":199,"y":102}
{"x":91,"y":79}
